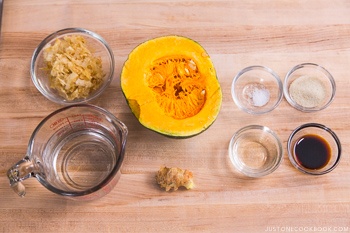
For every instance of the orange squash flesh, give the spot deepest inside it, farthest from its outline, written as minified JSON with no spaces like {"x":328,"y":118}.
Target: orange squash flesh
{"x":171,"y":86}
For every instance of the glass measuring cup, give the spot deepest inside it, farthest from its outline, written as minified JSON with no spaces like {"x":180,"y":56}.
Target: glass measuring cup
{"x":76,"y":151}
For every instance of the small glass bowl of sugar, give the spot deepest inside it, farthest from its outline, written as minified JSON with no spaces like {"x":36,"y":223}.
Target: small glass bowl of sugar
{"x":257,"y":90}
{"x":309,"y":87}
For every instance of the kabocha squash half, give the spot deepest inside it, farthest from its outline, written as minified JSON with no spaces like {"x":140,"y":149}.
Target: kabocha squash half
{"x":171,"y":86}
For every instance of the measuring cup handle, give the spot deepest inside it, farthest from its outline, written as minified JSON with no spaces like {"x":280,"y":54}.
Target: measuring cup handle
{"x":19,"y":172}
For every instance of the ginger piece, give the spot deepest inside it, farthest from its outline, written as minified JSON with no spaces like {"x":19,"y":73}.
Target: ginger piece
{"x":169,"y":178}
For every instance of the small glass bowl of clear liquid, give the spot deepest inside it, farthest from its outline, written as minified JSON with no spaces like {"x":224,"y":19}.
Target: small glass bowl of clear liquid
{"x":255,"y":151}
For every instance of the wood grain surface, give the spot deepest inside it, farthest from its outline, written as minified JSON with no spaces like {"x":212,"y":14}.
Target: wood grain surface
{"x":236,"y":34}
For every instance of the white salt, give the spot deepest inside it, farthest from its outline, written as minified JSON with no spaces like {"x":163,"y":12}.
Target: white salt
{"x":260,"y":97}
{"x":256,"y":94}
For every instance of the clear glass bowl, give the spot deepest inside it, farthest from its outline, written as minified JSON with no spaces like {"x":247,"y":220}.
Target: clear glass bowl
{"x":255,"y":151}
{"x":95,"y":42}
{"x":309,"y":87}
{"x":320,"y":132}
{"x":257,"y":90}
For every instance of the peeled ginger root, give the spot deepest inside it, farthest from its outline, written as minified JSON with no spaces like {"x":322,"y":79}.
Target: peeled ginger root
{"x":169,"y":178}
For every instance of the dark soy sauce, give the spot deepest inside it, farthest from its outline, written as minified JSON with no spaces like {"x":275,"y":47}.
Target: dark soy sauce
{"x":312,"y":151}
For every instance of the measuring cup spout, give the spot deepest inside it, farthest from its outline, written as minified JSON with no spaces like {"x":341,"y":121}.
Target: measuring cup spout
{"x":19,"y":172}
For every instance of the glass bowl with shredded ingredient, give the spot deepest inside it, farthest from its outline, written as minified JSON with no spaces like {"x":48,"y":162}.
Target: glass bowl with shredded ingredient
{"x":255,"y":151}
{"x":72,"y":65}
{"x":309,"y":87}
{"x":257,"y":90}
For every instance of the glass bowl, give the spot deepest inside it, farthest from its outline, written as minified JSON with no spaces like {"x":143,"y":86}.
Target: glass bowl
{"x":314,"y":149}
{"x":255,"y":151}
{"x":40,"y":73}
{"x":309,"y":87}
{"x":257,"y":90}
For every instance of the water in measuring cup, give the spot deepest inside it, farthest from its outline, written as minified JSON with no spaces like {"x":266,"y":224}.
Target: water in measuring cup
{"x":81,"y":159}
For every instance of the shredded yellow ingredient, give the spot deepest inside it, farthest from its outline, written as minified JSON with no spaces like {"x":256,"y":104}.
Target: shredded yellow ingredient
{"x":74,"y":71}
{"x":169,"y":178}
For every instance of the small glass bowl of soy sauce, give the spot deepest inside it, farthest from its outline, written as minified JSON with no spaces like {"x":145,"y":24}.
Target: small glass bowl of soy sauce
{"x":314,"y":149}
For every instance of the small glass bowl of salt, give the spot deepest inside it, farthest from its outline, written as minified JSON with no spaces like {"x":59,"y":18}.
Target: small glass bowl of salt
{"x":257,"y":90}
{"x":309,"y":87}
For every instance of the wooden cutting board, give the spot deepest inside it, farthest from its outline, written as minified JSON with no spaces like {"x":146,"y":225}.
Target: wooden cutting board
{"x":236,"y":34}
